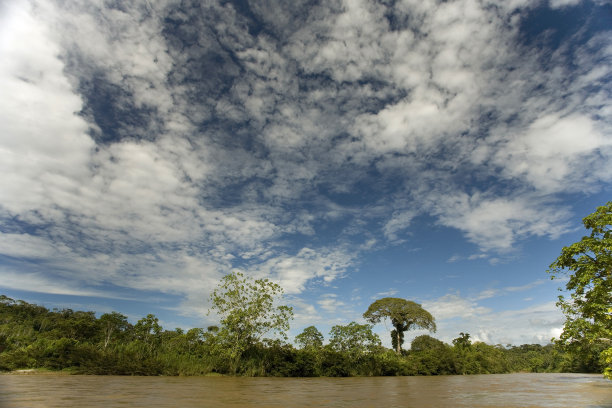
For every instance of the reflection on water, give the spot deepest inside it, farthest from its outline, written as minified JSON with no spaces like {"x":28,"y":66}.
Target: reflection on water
{"x":508,"y":390}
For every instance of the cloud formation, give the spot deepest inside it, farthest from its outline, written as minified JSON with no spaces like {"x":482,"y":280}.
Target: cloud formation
{"x":529,"y":322}
{"x":158,"y":145}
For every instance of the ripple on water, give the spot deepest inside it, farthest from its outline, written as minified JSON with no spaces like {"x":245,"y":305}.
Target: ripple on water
{"x":509,"y":390}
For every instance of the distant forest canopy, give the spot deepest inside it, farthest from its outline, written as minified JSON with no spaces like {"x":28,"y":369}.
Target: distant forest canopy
{"x":32,"y":336}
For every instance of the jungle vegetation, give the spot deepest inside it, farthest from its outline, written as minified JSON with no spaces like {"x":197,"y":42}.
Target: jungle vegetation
{"x":587,"y":266}
{"x":32,"y":336}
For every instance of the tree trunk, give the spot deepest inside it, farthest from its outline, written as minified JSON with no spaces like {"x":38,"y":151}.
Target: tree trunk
{"x":399,"y":344}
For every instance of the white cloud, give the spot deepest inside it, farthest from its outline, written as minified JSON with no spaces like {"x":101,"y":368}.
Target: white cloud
{"x":386,"y":293}
{"x":563,"y":3}
{"x":398,"y":222}
{"x":524,"y":287}
{"x":453,"y":306}
{"x":27,"y":246}
{"x":533,"y":324}
{"x":43,"y":144}
{"x":454,"y":258}
{"x":171,"y":199}
{"x":555,"y":151}
{"x":487,"y":294}
{"x":330,"y":303}
{"x":294,"y":272}
{"x":43,"y":283}
{"x":497,"y":223}
{"x":473,"y":257}
{"x":120,"y":201}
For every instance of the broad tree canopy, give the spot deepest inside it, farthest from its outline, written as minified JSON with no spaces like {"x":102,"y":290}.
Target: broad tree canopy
{"x":403,"y":314}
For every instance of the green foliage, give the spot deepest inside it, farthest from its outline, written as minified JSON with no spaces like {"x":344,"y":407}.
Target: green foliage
{"x":606,"y":358}
{"x":434,"y":361}
{"x":248,"y":312}
{"x":425,"y":342}
{"x":588,"y":265}
{"x":310,"y":338}
{"x":147,"y":331}
{"x":403,"y":314}
{"x":113,"y":327}
{"x":33,"y":337}
{"x":463,"y":341}
{"x":536,"y":358}
{"x":354,"y":339}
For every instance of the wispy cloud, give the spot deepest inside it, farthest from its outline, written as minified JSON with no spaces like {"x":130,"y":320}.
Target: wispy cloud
{"x":386,"y":293}
{"x":330,"y":303}
{"x":533,"y":324}
{"x":496,"y":223}
{"x":158,"y":147}
{"x":308,"y":266}
{"x":473,"y":257}
{"x":41,"y":282}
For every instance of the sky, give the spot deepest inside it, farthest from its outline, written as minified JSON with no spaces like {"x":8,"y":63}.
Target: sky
{"x":438,"y":151}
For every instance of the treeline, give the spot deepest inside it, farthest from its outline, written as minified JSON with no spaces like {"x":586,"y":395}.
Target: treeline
{"x":32,"y":336}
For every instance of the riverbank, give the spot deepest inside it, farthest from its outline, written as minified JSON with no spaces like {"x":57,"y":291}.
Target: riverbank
{"x":74,"y":371}
{"x":75,"y":342}
{"x":40,"y":371}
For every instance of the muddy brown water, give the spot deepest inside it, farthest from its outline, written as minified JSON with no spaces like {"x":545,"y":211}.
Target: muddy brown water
{"x":507,"y":390}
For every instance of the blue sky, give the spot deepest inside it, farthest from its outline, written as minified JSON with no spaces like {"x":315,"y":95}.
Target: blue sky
{"x":438,"y":151}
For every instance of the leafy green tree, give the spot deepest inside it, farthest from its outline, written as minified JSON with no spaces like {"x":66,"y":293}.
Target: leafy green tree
{"x":465,"y":360}
{"x":354,"y":339}
{"x":248,"y":311}
{"x":403,"y":314}
{"x":77,"y":325}
{"x":112,"y":325}
{"x":310,"y":338}
{"x":463,"y":341}
{"x":588,"y":265}
{"x":148,"y":330}
{"x":425,"y":342}
{"x":32,"y":336}
{"x":194,"y":337}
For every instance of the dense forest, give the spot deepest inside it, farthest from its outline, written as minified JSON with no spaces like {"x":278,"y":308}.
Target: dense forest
{"x":249,"y":311}
{"x":32,"y":336}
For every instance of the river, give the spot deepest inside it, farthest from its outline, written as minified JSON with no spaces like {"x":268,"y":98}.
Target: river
{"x":505,"y":390}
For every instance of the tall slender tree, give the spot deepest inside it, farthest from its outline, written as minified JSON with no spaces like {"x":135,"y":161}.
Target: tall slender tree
{"x":112,"y":325}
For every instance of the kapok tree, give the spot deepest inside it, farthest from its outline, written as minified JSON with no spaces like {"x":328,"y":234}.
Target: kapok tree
{"x":403,"y":314}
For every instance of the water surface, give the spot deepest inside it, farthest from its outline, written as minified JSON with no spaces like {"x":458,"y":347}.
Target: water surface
{"x":505,"y":390}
